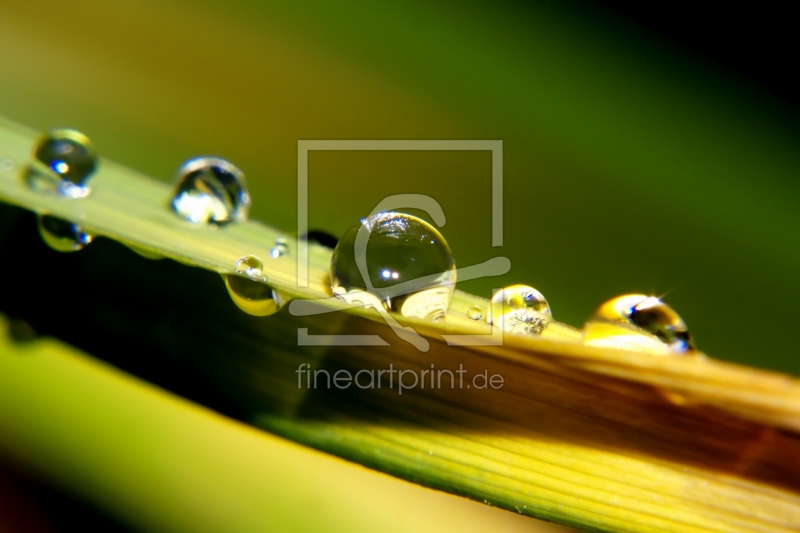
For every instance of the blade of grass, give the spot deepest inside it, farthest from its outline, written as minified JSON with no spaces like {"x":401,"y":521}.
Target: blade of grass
{"x":602,"y":439}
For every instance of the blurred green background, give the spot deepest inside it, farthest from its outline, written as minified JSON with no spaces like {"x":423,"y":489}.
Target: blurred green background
{"x":630,"y":165}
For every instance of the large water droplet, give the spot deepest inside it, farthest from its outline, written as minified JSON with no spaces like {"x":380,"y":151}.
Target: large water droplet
{"x":6,"y":164}
{"x":62,"y":235}
{"x":409,"y":266}
{"x":63,"y":161}
{"x":210,"y":190}
{"x":520,"y":309}
{"x":639,"y":323}
{"x":253,"y":297}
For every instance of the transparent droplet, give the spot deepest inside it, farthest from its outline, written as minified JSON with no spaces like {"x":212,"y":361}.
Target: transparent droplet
{"x":520,"y":309}
{"x":322,"y":238}
{"x":408,"y":264}
{"x":62,"y":235}
{"x":252,"y":296}
{"x":6,"y":164}
{"x":475,"y":312}
{"x":250,"y":266}
{"x":63,"y":161}
{"x":210,"y":190}
{"x":280,"y":249}
{"x":639,"y":323}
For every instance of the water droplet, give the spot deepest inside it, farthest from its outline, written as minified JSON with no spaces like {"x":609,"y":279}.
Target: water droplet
{"x":62,"y":235}
{"x":147,"y":254}
{"x":639,"y":323}
{"x":63,"y":161}
{"x":475,"y":312}
{"x":520,"y":309}
{"x":253,"y":297}
{"x":322,"y":238}
{"x":250,"y":266}
{"x":409,"y":266}
{"x":280,"y":249}
{"x":6,"y":164}
{"x":210,"y":190}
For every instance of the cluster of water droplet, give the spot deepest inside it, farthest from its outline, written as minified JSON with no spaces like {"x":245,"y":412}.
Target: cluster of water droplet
{"x":63,"y":163}
{"x":391,"y":261}
{"x":403,"y":264}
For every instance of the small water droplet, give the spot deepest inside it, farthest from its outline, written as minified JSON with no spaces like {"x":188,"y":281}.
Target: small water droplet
{"x":409,"y":266}
{"x":210,"y":190}
{"x":475,"y":312}
{"x":639,"y":323}
{"x":62,"y":235}
{"x":280,"y":249}
{"x":147,"y":254}
{"x":250,"y":266}
{"x":520,"y":309}
{"x":63,"y":161}
{"x":676,"y":398}
{"x":6,"y":164}
{"x":253,"y":297}
{"x":322,"y":238}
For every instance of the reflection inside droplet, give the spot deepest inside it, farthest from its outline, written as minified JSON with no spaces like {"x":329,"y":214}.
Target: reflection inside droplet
{"x":640,"y":323}
{"x":62,"y":235}
{"x":409,"y":266}
{"x":253,"y":297}
{"x":210,"y":190}
{"x":280,"y":249}
{"x":63,"y":162}
{"x":250,"y":266}
{"x":475,"y":312}
{"x":520,"y":309}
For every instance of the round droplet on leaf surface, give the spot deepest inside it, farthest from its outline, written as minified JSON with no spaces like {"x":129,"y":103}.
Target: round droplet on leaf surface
{"x":520,"y":309}
{"x":280,"y":249}
{"x":62,"y":235}
{"x":144,"y":252}
{"x":409,"y":266}
{"x":210,"y":190}
{"x":475,"y":312}
{"x":64,"y":160}
{"x":253,"y":297}
{"x":250,"y":266}
{"x":639,"y":323}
